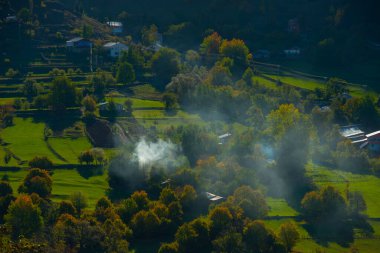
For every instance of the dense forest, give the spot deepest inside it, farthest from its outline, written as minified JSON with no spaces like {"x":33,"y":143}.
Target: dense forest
{"x":189,"y":126}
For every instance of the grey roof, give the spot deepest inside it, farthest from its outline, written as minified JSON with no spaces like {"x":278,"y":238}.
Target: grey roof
{"x":75,"y":39}
{"x":213,"y":197}
{"x":111,"y":44}
{"x":351,"y":131}
{"x":114,"y":24}
{"x":226,"y":135}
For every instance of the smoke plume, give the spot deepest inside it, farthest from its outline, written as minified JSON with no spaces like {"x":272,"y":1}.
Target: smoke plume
{"x":161,"y":154}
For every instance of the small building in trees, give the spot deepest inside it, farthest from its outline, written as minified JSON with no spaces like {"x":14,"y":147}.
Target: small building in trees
{"x":224,"y":138}
{"x":354,"y":133}
{"x":157,"y":44}
{"x":78,"y":44}
{"x":370,"y":141}
{"x":116,"y":27}
{"x":212,"y":197}
{"x":11,"y":19}
{"x":114,"y":49}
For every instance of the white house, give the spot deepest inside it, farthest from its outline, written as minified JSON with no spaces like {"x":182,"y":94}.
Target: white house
{"x":117,"y":27}
{"x":115,"y":48}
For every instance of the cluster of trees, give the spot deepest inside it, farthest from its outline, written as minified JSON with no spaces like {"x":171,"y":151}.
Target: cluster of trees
{"x":234,"y":226}
{"x":91,"y":156}
{"x":328,"y":205}
{"x":67,"y":226}
{"x":337,"y":27}
{"x":47,"y":226}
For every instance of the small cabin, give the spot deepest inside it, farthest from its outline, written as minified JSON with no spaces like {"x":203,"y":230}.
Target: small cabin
{"x":11,"y":19}
{"x":78,"y":44}
{"x":114,"y":49}
{"x":224,"y":138}
{"x":116,"y":27}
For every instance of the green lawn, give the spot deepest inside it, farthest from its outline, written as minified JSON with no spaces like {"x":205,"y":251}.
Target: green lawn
{"x":65,"y":182}
{"x":138,"y":103}
{"x":146,"y":91}
{"x":26,"y":140}
{"x":279,"y":207}
{"x":161,"y":114}
{"x":264,"y":82}
{"x":5,"y":101}
{"x":368,"y":185}
{"x":310,"y":84}
{"x":70,"y":148}
{"x":303,"y":83}
{"x":307,"y":245}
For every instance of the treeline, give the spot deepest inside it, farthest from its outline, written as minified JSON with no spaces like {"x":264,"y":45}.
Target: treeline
{"x":337,"y":27}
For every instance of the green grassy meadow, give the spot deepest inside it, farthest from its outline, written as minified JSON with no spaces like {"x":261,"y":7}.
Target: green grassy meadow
{"x":26,"y":140}
{"x":311,"y":84}
{"x":309,"y":245}
{"x":70,"y":148}
{"x":66,"y":182}
{"x":368,"y":185}
{"x":138,"y":103}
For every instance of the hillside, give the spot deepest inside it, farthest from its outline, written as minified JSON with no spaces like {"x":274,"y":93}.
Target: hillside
{"x":189,"y":126}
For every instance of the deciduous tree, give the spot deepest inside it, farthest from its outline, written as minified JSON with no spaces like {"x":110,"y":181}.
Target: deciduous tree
{"x":24,"y":217}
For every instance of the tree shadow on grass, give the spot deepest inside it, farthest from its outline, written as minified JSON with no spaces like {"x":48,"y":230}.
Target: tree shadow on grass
{"x":57,"y":122}
{"x":340,"y":232}
{"x":90,"y":171}
{"x":171,"y":112}
{"x":324,"y":233}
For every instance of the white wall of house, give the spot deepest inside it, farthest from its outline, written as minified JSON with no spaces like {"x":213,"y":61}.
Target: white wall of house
{"x":115,"y":49}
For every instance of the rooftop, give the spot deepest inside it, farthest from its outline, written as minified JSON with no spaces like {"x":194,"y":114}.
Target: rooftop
{"x":114,"y":24}
{"x":373,"y":134}
{"x":75,"y":39}
{"x":351,"y":131}
{"x":226,"y":135}
{"x":111,"y":44}
{"x":213,"y":197}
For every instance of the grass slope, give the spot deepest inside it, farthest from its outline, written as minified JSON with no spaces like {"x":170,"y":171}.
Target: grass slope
{"x":310,"y":84}
{"x":66,"y":182}
{"x":26,"y":140}
{"x":368,"y":185}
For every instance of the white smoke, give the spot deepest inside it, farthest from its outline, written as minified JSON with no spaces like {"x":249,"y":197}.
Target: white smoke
{"x":160,"y":154}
